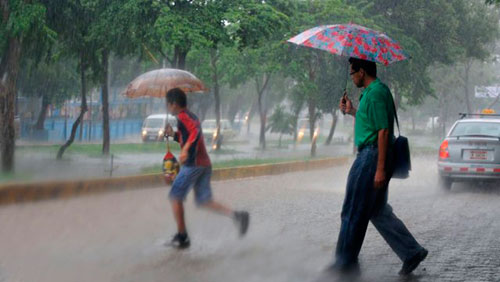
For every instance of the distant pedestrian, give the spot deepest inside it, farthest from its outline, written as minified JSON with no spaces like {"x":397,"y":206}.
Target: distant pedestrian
{"x":196,"y":170}
{"x":368,"y":180}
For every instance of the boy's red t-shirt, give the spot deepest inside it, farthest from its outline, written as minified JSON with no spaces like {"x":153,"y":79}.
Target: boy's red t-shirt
{"x":189,"y":130}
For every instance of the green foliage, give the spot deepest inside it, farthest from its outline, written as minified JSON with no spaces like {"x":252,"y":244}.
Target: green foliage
{"x":252,"y":24}
{"x":248,"y":41}
{"x":320,"y":76}
{"x":436,"y":31}
{"x":55,"y":79}
{"x":281,"y":122}
{"x":332,"y":80}
{"x":183,"y":25}
{"x":177,"y":25}
{"x":27,"y":22}
{"x":477,"y":30}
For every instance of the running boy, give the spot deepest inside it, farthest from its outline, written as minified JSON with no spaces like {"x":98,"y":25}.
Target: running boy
{"x":196,"y":170}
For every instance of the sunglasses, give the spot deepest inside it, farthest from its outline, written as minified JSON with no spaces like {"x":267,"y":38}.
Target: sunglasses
{"x":353,"y":72}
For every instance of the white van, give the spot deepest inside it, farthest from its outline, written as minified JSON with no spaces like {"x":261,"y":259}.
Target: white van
{"x":154,"y":125}
{"x":209,"y":127}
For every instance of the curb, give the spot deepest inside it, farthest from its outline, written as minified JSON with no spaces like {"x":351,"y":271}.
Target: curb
{"x":32,"y":192}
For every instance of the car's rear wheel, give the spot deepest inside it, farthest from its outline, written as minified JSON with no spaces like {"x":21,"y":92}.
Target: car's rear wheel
{"x":445,"y":183}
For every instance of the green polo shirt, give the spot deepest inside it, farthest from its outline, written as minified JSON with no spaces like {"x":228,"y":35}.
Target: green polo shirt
{"x":375,"y":112}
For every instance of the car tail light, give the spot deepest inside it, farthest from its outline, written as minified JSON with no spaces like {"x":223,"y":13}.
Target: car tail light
{"x":443,"y":150}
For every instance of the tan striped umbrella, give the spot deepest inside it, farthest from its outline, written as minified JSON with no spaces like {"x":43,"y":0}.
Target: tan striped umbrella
{"x":156,"y":83}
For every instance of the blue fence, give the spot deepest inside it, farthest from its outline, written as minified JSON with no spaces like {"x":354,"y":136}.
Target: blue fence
{"x":57,"y":129}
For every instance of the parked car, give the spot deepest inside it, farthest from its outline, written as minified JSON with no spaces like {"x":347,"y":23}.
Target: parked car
{"x":470,"y":151}
{"x":304,"y":128}
{"x":209,"y":128}
{"x":154,"y":125}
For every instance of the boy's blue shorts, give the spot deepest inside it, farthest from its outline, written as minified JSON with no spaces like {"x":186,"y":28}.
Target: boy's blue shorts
{"x":199,"y":176}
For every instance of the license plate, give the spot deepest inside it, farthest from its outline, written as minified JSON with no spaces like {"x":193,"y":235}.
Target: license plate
{"x":476,"y":155}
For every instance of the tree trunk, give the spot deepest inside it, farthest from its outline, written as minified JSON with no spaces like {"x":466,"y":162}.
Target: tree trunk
{"x":90,"y":120}
{"x":311,"y":102}
{"x":313,"y":148}
{"x":215,"y":80}
{"x":443,"y":115}
{"x":8,"y":78}
{"x":80,"y":135}
{"x":250,"y":116}
{"x":262,"y":132}
{"x":105,"y":103}
{"x":493,"y":103}
{"x":467,"y":67}
{"x":332,"y":128}
{"x":312,"y":117}
{"x":180,"y":58}
{"x":39,"y":125}
{"x":295,"y":131}
{"x":83,"y":109}
{"x":262,"y":111}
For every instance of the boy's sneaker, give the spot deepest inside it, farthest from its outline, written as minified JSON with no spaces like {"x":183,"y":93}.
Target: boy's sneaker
{"x":413,"y":262}
{"x":242,"y":219}
{"x":180,"y":241}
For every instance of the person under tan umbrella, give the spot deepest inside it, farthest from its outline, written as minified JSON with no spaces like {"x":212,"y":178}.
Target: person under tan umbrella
{"x":155,"y":84}
{"x":196,"y":169}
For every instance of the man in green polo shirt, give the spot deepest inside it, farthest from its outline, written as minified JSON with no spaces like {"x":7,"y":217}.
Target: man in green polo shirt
{"x":368,"y":180}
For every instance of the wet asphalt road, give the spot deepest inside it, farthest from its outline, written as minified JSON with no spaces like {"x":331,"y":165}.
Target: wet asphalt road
{"x":294,"y":225}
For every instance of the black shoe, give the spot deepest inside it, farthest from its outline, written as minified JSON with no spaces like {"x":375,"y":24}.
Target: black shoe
{"x":242,"y":219}
{"x":180,"y":241}
{"x":413,"y":262}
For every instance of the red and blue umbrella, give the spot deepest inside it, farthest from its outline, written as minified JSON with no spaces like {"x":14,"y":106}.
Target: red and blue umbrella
{"x":352,"y":40}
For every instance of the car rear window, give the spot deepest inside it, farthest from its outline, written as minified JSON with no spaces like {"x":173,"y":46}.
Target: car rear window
{"x":476,"y":128}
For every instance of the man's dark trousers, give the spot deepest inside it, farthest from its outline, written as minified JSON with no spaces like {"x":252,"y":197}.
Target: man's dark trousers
{"x":364,"y":203}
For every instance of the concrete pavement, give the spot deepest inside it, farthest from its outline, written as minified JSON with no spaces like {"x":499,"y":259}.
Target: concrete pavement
{"x":294,"y":225}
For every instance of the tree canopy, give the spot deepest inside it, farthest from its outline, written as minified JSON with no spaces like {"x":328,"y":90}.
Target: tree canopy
{"x":237,"y":45}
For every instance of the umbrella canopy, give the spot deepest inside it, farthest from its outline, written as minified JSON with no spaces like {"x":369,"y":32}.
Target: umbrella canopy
{"x":156,"y":83}
{"x":352,"y":40}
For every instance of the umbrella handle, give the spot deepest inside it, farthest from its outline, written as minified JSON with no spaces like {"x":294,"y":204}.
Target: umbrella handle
{"x":168,"y":144}
{"x":168,"y":141}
